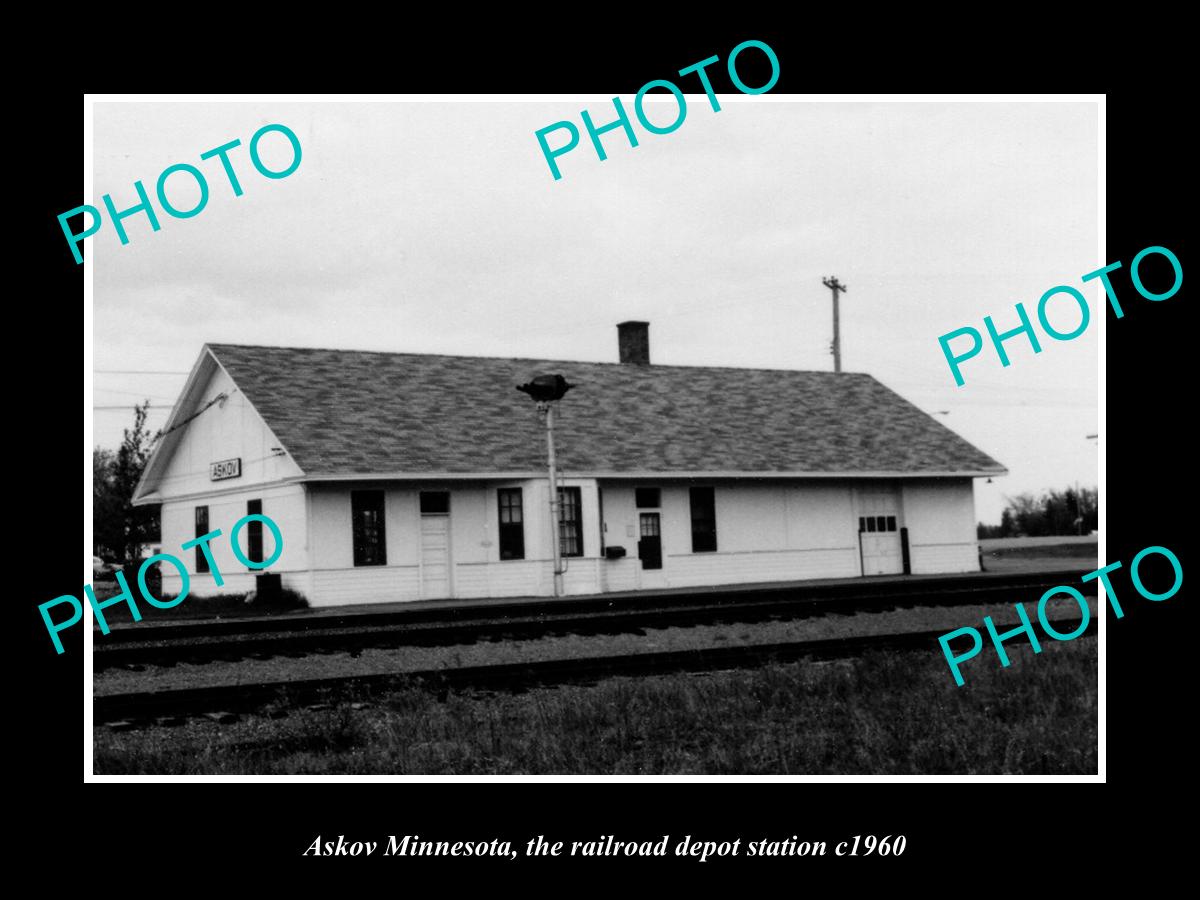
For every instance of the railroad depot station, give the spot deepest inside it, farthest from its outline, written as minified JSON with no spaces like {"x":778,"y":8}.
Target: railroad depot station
{"x":396,"y":476}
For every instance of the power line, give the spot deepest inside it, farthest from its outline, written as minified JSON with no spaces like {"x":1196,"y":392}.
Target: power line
{"x":192,"y":473}
{"x":578,"y":326}
{"x":220,"y":398}
{"x":128,"y":407}
{"x":135,"y":394}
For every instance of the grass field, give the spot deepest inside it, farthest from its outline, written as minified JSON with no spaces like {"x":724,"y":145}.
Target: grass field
{"x":1044,"y":551}
{"x":884,"y":713}
{"x":1026,"y":543}
{"x":1028,"y":555}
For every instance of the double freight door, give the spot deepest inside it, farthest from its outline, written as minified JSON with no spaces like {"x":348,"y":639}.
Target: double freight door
{"x":879,"y":531}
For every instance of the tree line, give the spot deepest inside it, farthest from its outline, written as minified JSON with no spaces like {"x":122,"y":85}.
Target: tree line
{"x":121,"y":530}
{"x":1071,"y":511}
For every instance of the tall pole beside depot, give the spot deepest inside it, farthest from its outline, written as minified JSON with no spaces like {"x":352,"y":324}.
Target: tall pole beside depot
{"x":546,"y":408}
{"x":546,"y":391}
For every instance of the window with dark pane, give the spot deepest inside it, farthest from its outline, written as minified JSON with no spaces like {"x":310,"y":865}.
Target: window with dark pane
{"x":570,"y":521}
{"x":370,"y":539}
{"x":891,"y":523}
{"x":512,"y":524}
{"x":254,"y":532}
{"x":704,"y":519}
{"x":647,"y":498}
{"x":201,"y":530}
{"x":435,"y":503}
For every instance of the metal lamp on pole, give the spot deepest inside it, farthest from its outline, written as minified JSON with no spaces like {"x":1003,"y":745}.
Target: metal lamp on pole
{"x":546,"y":390}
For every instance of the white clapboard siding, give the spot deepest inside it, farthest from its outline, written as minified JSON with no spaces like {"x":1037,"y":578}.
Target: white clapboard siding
{"x":935,"y":559}
{"x":745,"y":568}
{"x":365,"y":584}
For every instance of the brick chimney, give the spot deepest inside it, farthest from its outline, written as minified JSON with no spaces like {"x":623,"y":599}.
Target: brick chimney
{"x":633,"y":338}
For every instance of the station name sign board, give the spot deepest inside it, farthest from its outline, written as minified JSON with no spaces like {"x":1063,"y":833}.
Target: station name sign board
{"x":226,"y":468}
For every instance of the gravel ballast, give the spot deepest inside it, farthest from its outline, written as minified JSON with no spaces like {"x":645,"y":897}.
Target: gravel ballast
{"x":486,"y":653}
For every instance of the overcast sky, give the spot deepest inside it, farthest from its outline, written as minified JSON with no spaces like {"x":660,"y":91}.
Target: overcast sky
{"x":438,"y":228}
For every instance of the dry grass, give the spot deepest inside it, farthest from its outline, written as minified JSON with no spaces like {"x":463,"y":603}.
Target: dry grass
{"x":885,"y":713}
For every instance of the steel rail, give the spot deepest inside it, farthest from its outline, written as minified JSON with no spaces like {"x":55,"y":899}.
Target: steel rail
{"x":147,"y":707}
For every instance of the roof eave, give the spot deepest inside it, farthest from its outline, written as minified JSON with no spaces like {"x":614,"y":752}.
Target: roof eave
{"x":515,"y":475}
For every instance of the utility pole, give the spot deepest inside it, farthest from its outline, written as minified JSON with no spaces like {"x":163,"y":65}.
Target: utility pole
{"x":555,"y":527}
{"x":1090,"y":437}
{"x":834,"y":285}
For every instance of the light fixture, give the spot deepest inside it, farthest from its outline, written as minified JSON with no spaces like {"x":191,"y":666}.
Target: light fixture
{"x":546,"y":388}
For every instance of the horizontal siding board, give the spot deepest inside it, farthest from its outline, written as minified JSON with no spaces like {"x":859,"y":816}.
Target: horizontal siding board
{"x":936,"y":559}
{"x":366,"y":584}
{"x":743,"y":568}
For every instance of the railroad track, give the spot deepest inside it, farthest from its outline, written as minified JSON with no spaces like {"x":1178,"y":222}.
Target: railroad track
{"x":223,"y":703}
{"x":202,"y":642}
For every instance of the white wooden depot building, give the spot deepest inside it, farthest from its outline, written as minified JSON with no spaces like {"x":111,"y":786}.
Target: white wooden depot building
{"x":397,"y":476}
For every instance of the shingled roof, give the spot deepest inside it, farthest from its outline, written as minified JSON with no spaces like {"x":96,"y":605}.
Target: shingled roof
{"x":346,"y":412}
